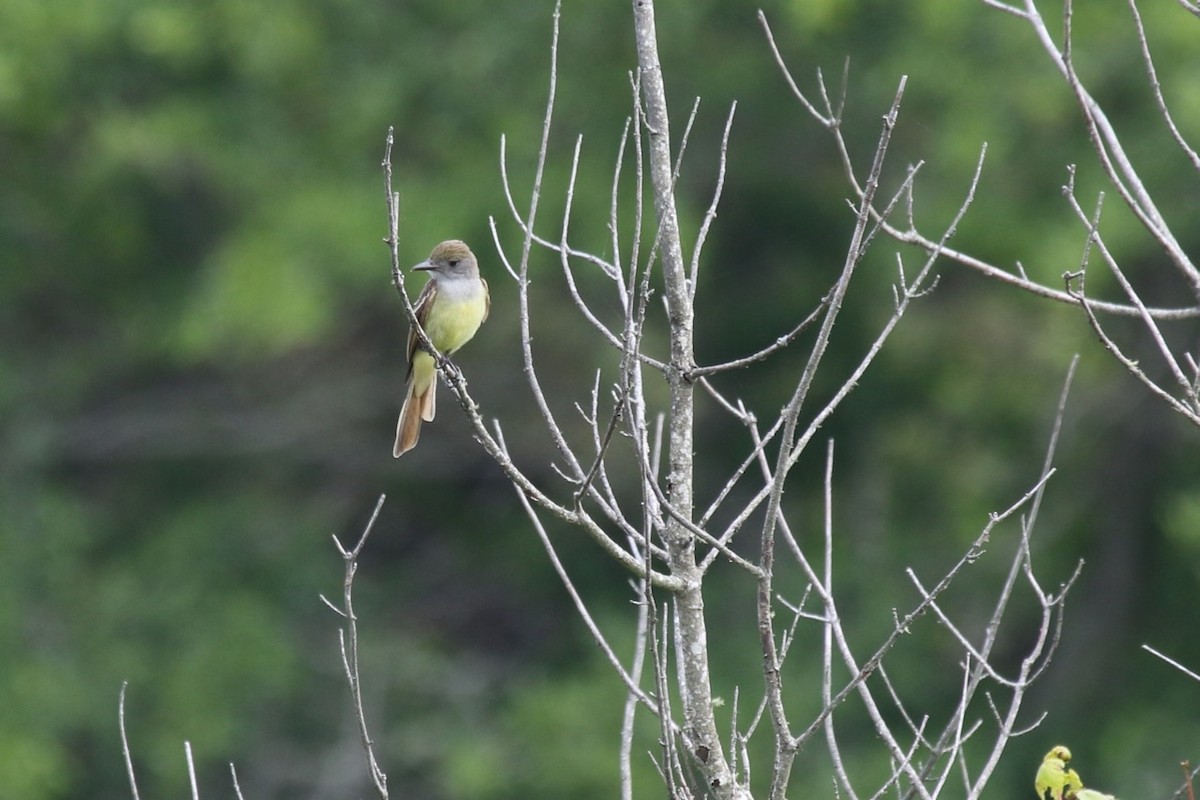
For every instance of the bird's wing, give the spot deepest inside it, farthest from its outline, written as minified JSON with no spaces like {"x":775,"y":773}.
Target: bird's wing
{"x":421,"y":310}
{"x":1050,"y":779}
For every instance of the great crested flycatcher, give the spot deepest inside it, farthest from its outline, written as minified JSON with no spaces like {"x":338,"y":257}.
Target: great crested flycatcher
{"x":450,"y":309}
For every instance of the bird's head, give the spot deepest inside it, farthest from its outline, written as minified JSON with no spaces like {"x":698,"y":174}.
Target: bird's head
{"x":1058,"y":752}
{"x":451,"y":259}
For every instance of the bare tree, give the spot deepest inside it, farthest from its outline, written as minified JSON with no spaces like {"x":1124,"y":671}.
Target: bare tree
{"x":668,"y":538}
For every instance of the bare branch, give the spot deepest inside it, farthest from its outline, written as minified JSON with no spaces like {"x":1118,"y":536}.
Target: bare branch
{"x":1156,"y":88}
{"x":133,"y":789}
{"x":1172,"y":662}
{"x":191,"y":767}
{"x":766,"y":352}
{"x":830,"y":121}
{"x":1192,"y":406}
{"x":711,"y":214}
{"x":1021,"y":281}
{"x":631,"y":698}
{"x":1006,"y":8}
{"x":237,"y":789}
{"x":1108,"y":148}
{"x":1073,"y":280}
{"x":348,"y":638}
{"x":564,"y":250}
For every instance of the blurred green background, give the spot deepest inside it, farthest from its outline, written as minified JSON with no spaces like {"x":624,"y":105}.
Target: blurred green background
{"x":203,"y":359}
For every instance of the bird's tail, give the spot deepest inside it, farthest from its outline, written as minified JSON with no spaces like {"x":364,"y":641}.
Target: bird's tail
{"x":418,"y":406}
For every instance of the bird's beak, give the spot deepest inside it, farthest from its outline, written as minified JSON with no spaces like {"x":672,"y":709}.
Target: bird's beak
{"x":424,"y":265}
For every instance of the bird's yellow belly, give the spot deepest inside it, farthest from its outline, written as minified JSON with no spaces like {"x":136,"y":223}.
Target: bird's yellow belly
{"x":454,"y":322}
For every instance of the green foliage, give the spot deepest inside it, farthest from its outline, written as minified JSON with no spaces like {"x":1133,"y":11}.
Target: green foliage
{"x":203,"y":359}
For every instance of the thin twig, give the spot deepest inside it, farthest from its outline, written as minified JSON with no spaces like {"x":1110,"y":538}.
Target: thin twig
{"x":1075,"y":285}
{"x":191,"y":768}
{"x":625,"y":758}
{"x":1076,"y":288}
{"x":237,"y":789}
{"x":601,"y":451}
{"x":348,"y":639}
{"x":564,"y":251}
{"x":392,"y":240}
{"x":827,"y":647}
{"x":133,"y":789}
{"x":1194,"y":676}
{"x":711,"y":214}
{"x":766,"y":352}
{"x":1156,"y":88}
{"x":828,"y":121}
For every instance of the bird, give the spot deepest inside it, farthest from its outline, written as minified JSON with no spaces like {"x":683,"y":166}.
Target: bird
{"x":1054,"y":781}
{"x":450,"y":309}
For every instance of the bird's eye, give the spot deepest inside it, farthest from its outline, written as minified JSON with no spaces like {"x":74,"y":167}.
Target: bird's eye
{"x":454,"y":262}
